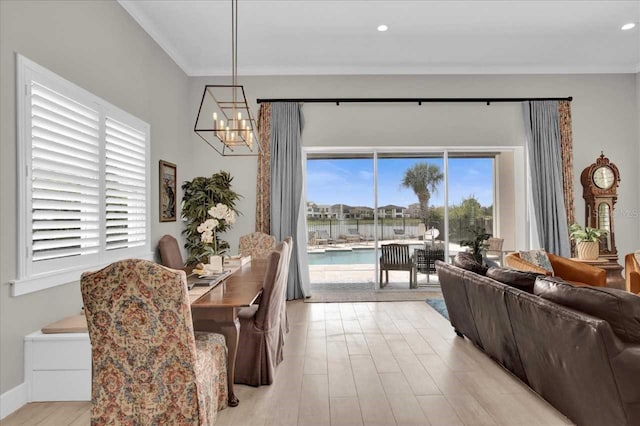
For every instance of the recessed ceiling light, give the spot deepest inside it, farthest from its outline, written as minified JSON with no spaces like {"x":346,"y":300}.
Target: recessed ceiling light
{"x":628,"y":26}
{"x":382,"y":28}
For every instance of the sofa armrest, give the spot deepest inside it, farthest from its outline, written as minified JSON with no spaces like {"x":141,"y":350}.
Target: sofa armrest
{"x":632,"y":272}
{"x":634,"y":283}
{"x":570,"y":270}
{"x":626,"y":368}
{"x":515,"y":262}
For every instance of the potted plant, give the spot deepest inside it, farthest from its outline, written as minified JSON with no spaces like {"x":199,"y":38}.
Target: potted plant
{"x":587,"y":241}
{"x":208,"y":206}
{"x":478,"y":244}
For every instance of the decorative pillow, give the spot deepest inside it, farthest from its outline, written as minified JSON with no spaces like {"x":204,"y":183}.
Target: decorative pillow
{"x":618,"y":307}
{"x":538,"y":258}
{"x":467,"y":261}
{"x":518,"y":279}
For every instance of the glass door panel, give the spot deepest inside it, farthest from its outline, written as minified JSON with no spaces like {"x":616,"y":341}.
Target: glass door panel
{"x":470,"y":199}
{"x":410,"y":212}
{"x":340,"y":221}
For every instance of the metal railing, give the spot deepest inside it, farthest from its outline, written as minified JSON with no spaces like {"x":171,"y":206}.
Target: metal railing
{"x":396,"y":228}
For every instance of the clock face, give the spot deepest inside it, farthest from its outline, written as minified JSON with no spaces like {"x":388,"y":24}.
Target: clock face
{"x":603,"y":177}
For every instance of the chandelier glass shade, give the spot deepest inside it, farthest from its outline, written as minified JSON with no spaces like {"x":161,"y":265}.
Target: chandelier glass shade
{"x":224,"y":119}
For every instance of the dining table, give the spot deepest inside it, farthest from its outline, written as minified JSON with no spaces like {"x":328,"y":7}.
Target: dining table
{"x":215,"y":308}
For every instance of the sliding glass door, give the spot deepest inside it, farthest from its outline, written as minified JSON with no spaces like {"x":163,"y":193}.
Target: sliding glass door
{"x":410,"y":208}
{"x":381,"y":219}
{"x":470,"y":198}
{"x":340,"y":221}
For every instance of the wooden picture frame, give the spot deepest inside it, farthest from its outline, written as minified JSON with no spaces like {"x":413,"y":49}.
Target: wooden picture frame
{"x":167,"y":191}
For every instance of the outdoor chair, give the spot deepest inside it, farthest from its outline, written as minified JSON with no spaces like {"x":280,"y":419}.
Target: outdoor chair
{"x":399,"y":234}
{"x":354,"y":236}
{"x":324,"y":237}
{"x":494,"y":249}
{"x":430,"y":235}
{"x":395,"y":257}
{"x":424,"y":262}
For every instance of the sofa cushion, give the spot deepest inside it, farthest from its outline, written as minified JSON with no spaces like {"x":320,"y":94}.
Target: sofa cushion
{"x":518,"y":279}
{"x":618,"y":307}
{"x":468,"y":262}
{"x":538,"y":258}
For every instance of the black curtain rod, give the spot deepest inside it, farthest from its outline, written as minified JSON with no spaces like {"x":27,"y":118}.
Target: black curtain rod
{"x":419,"y":101}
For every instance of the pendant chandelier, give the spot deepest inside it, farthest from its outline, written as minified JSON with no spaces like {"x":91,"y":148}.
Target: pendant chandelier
{"x":224,"y":119}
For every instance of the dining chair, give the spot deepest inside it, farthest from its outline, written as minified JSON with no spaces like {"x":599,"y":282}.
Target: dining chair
{"x":148,"y":365}
{"x":259,"y":350}
{"x":258,"y":245}
{"x":284,"y":319}
{"x":170,"y":255}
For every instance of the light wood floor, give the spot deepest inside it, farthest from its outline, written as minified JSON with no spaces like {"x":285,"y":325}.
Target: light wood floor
{"x":390,"y":363}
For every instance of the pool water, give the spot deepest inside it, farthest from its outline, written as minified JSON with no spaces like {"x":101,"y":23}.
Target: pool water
{"x":347,"y":257}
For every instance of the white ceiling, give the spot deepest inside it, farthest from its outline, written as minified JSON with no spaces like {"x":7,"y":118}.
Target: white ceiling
{"x":425,"y":37}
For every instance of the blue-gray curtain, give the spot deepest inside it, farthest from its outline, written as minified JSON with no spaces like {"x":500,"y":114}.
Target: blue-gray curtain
{"x":287,"y":214}
{"x":542,"y":128}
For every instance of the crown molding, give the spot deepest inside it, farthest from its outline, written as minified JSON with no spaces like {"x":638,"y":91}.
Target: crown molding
{"x":132,"y":9}
{"x":463,"y":70}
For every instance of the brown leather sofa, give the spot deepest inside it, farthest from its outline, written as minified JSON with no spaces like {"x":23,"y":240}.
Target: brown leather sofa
{"x":577,"y":273}
{"x":632,"y":272}
{"x":573,"y":360}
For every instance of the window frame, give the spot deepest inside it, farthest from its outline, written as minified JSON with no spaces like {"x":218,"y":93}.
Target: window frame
{"x":30,"y":278}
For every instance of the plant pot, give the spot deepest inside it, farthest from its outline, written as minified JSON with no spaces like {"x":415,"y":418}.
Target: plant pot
{"x":588,"y":250}
{"x":216,"y":263}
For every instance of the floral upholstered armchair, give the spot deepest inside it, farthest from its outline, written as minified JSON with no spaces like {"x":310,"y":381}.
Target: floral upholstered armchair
{"x":148,"y":365}
{"x":258,"y":245}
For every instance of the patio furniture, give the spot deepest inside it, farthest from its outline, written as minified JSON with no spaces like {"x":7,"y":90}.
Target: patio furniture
{"x":354,"y":236}
{"x":311,"y":239}
{"x":399,"y":234}
{"x":431,"y":234}
{"x":395,"y":257}
{"x":323,"y":237}
{"x":424,"y":261}
{"x":494,"y":249}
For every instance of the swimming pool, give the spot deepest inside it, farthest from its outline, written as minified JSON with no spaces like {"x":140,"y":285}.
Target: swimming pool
{"x":343,"y":257}
{"x":347,"y":257}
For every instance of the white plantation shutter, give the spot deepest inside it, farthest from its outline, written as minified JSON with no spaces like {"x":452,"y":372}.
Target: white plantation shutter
{"x":125,"y":186}
{"x":83,"y":181}
{"x":65,"y":177}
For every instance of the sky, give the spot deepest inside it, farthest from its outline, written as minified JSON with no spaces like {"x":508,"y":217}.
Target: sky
{"x":350,"y":181}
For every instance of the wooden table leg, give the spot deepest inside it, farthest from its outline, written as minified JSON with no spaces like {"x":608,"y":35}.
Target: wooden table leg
{"x":223,"y":321}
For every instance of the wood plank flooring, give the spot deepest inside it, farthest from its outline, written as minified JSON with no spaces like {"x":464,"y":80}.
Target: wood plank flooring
{"x":389,"y":363}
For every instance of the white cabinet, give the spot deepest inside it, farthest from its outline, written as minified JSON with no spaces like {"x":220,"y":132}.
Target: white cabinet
{"x":58,"y":367}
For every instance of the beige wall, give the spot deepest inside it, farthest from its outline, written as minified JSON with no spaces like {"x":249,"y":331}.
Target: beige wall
{"x":98,"y":46}
{"x":604,"y":118}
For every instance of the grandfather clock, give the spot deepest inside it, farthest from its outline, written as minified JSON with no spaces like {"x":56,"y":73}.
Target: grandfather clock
{"x":600,"y":183}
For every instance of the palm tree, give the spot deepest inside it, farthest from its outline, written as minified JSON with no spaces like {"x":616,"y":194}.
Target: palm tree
{"x":423,"y":179}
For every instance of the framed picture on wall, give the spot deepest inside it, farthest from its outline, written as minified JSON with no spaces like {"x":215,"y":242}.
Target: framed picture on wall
{"x":167,"y":191}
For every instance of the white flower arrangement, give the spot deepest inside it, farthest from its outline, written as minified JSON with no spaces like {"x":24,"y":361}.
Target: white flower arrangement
{"x":221,"y":215}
